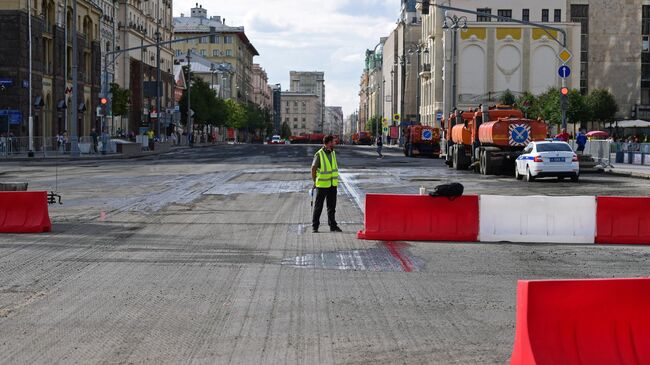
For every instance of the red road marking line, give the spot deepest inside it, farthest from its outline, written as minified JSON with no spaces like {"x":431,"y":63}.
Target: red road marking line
{"x":406,"y":263}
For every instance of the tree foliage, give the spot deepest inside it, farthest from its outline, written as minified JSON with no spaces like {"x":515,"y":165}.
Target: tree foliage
{"x":602,"y":104}
{"x":285,"y":131}
{"x":508,"y":98}
{"x":121,"y":100}
{"x":373,"y":126}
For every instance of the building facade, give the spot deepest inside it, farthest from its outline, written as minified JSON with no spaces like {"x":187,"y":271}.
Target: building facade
{"x":302,"y":112}
{"x":493,"y":56}
{"x":262,"y":94}
{"x":230,"y":45}
{"x":137,"y":71}
{"x":51,"y":86}
{"x":310,"y":83}
{"x":334,"y":120}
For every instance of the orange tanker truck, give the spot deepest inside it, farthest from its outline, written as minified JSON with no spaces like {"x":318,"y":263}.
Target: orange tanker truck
{"x":422,"y":140}
{"x":489,"y":141}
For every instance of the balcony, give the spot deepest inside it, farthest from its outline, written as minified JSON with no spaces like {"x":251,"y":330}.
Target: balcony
{"x":426,"y":71}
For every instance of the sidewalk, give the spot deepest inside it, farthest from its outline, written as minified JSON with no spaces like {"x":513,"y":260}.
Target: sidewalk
{"x":638,"y":171}
{"x":90,"y":157}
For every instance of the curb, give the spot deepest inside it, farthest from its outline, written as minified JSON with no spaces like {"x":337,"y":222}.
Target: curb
{"x":636,"y":175}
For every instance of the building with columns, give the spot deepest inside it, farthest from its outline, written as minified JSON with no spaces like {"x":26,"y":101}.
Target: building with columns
{"x":262,"y":94}
{"x":493,"y":56}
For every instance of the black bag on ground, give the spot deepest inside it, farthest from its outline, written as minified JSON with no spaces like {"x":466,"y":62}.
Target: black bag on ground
{"x":452,"y":190}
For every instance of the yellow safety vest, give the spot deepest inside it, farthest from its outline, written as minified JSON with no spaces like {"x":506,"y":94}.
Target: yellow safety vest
{"x":327,"y":174}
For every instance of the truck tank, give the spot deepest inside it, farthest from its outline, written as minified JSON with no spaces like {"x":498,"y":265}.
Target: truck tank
{"x":511,"y":132}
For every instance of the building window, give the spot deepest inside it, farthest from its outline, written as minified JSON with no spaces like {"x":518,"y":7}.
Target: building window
{"x":216,"y":39}
{"x":557,"y":15}
{"x":295,"y":126}
{"x":483,"y":18}
{"x":202,"y":53}
{"x":304,"y":126}
{"x":229,"y":53}
{"x":525,"y":15}
{"x":287,"y":111}
{"x":505,"y":13}
{"x":227,"y":39}
{"x":580,"y":14}
{"x":304,"y":120}
{"x":204,"y":40}
{"x":215,"y":53}
{"x":545,"y":15}
{"x":645,"y":45}
{"x":295,"y":104}
{"x":295,"y":120}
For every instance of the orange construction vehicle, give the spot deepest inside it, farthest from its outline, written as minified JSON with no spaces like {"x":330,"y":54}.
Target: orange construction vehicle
{"x":362,"y":138}
{"x":489,"y":141}
{"x":422,"y":140}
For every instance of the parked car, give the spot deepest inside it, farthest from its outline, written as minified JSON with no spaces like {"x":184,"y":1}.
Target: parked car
{"x":277,"y":140}
{"x":547,"y":159}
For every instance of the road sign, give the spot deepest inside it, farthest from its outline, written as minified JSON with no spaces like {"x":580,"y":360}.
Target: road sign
{"x":427,"y":135}
{"x":385,"y":129}
{"x":564,"y":71}
{"x":439,"y":116}
{"x":396,"y":117}
{"x":565,"y":55}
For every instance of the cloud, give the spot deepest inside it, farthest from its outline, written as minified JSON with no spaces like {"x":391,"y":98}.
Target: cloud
{"x":309,"y":35}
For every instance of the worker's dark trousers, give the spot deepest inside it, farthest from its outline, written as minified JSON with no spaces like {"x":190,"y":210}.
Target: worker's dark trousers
{"x":323,"y":194}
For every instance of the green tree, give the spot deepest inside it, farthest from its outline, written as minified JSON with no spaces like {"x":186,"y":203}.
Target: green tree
{"x":374,"y":125}
{"x":602,"y":105}
{"x":286,"y":130}
{"x":236,"y":115}
{"x":121,"y":100}
{"x":529,"y":104}
{"x":208,"y":109}
{"x":549,"y":106}
{"x":508,"y":98}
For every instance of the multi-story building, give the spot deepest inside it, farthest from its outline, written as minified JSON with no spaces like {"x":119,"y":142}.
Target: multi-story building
{"x":51,"y":86}
{"x":302,"y":112}
{"x":493,"y":56}
{"x":334,"y":120}
{"x":376,"y":81}
{"x":142,"y":23}
{"x":364,"y":94}
{"x":277,"y":107}
{"x":311,"y":83}
{"x":261,"y":89}
{"x":218,"y":76}
{"x":230,"y":45}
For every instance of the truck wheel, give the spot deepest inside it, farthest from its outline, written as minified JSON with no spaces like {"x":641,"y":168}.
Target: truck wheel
{"x":575,"y":178}
{"x":489,"y":167}
{"x":454,"y":158}
{"x":481,"y":159}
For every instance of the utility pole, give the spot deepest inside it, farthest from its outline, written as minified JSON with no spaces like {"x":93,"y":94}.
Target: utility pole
{"x":190,"y":128}
{"x":65,"y":66}
{"x":158,"y":75}
{"x":74,"y":138}
{"x":31,"y":117}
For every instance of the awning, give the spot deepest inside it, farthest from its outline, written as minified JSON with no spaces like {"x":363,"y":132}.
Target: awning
{"x":61,"y":105}
{"x":38,"y":102}
{"x":631,"y":124}
{"x":82,"y":107}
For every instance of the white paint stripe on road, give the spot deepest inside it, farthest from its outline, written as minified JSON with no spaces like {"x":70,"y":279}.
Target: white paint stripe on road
{"x":352,"y":189}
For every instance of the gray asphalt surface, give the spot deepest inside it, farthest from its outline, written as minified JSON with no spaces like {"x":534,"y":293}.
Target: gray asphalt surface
{"x":206,"y":256}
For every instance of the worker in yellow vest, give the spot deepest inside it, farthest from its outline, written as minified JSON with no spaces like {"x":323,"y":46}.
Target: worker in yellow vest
{"x":325,"y":174}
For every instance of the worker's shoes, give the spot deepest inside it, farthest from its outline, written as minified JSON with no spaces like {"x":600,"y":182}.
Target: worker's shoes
{"x":335,"y":229}
{"x":315,"y":230}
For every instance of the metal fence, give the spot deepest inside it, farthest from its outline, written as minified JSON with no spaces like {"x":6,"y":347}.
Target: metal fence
{"x":47,"y":147}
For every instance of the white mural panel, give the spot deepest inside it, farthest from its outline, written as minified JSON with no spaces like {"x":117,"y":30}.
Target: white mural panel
{"x":472,"y":71}
{"x":543,"y":69}
{"x":508,"y":69}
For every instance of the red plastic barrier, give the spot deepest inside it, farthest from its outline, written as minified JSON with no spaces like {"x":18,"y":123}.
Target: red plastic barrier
{"x":420,"y":218}
{"x":24,"y":212}
{"x":583,"y":322}
{"x":623,"y":220}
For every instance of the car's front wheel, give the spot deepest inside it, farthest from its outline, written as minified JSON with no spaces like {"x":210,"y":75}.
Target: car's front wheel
{"x":575,"y":178}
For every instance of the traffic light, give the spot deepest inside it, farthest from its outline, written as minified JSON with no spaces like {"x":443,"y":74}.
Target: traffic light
{"x":564,"y":98}
{"x":425,"y":7}
{"x":103,"y":106}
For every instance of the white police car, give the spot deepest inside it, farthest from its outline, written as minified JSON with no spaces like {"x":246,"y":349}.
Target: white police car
{"x":547,"y":159}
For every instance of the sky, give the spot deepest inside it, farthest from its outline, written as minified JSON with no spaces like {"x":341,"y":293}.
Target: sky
{"x":310,"y":35}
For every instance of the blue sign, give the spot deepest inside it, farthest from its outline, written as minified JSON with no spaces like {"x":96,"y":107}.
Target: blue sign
{"x":564,"y":71}
{"x":519,"y":134}
{"x":14,"y":116}
{"x":427,"y":135}
{"x":439,"y":116}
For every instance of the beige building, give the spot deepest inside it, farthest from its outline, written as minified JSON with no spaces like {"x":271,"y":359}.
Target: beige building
{"x":301,"y":111}
{"x":262,"y":94}
{"x":311,"y":82}
{"x":493,"y":56}
{"x":137,"y":27}
{"x":230,"y":45}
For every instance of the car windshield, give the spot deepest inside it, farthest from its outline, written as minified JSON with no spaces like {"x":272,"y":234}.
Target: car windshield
{"x":554,"y":147}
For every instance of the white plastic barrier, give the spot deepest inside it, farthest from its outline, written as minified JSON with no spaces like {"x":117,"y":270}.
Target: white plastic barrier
{"x":537,"y":219}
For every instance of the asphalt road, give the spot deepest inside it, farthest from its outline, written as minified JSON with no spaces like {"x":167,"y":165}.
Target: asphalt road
{"x":206,"y":256}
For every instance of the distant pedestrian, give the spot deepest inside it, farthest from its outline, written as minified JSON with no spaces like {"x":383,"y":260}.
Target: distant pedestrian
{"x":380,"y":144}
{"x":563,"y":136}
{"x":581,"y":141}
{"x":325,"y":174}
{"x":388,"y":139}
{"x":95,"y":140}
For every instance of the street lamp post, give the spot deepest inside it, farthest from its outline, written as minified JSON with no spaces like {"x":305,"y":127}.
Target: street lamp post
{"x":74,"y":137}
{"x":190,"y":128}
{"x":419,"y":49}
{"x":31,"y":117}
{"x":454,"y":24}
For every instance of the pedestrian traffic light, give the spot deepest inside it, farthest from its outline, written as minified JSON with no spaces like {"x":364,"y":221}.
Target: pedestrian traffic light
{"x":425,"y":7}
{"x":564,"y":98}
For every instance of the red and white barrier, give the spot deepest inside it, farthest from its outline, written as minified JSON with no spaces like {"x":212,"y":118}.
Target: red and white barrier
{"x":537,"y":219}
{"x":517,"y":219}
